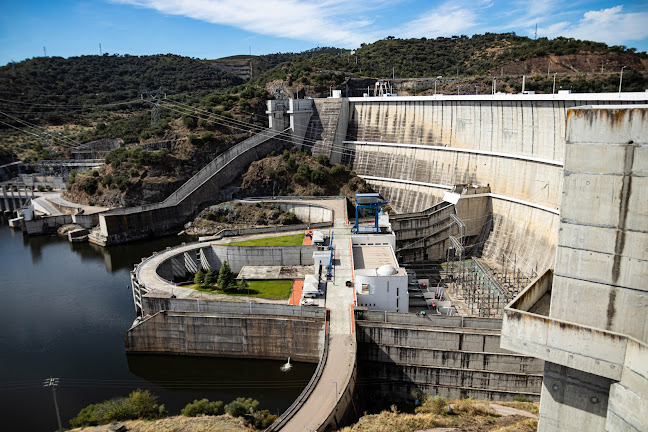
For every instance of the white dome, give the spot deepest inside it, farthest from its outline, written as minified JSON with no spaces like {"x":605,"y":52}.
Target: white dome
{"x":386,"y":270}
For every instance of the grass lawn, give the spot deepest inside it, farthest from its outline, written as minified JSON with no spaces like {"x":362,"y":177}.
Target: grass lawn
{"x":289,"y":240}
{"x":271,"y":289}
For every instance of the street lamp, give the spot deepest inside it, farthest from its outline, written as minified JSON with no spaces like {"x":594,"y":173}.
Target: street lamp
{"x":435,"y":85}
{"x":621,"y":79}
{"x":554,"y":84}
{"x":475,"y":89}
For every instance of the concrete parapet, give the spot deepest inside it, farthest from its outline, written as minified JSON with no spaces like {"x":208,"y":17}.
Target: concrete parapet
{"x":153,"y":304}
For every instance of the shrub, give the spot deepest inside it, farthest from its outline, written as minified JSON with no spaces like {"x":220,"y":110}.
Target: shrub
{"x":338,"y":170}
{"x":90,"y":186}
{"x":299,"y":178}
{"x":241,"y":406}
{"x":323,"y":160}
{"x":304,"y":170}
{"x":286,"y":155}
{"x":189,"y":121}
{"x":140,"y":404}
{"x":319,"y":176}
{"x":435,"y":405}
{"x":520,"y":398}
{"x":202,"y":407}
{"x":262,"y":419}
{"x":472,"y":408}
{"x":199,"y":277}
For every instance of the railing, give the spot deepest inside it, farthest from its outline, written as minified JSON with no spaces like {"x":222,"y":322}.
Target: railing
{"x":308,"y":390}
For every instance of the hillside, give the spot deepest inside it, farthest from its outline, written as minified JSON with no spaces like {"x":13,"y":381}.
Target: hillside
{"x":53,"y":104}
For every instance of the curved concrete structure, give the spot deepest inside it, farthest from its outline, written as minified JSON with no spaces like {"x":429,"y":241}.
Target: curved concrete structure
{"x":413,"y":149}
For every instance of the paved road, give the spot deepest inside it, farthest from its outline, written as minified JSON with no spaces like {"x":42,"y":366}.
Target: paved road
{"x":342,"y":347}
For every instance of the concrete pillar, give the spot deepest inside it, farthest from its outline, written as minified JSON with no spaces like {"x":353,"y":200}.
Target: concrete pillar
{"x":13,"y":201}
{"x":5,"y":201}
{"x":572,"y":400}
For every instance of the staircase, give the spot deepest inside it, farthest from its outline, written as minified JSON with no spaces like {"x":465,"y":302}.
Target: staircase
{"x":133,"y":223}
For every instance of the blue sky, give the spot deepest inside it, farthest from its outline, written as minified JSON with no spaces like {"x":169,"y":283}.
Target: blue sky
{"x":218,"y":28}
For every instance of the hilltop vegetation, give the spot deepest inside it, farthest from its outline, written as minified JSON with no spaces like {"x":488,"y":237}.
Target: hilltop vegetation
{"x":457,"y":55}
{"x":55,"y":90}
{"x":59,"y":103}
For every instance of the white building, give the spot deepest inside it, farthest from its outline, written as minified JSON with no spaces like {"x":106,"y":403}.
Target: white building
{"x":379,"y":282}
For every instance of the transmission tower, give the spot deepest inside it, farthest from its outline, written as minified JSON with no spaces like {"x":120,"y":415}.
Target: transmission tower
{"x":153,"y":98}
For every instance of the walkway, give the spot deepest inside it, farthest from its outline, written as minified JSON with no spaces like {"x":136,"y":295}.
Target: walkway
{"x":342,"y":347}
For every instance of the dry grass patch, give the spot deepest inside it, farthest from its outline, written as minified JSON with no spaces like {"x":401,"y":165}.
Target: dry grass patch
{"x":532,"y":407}
{"x":222,"y":423}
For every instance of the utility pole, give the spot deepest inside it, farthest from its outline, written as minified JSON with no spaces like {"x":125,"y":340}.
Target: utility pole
{"x":54,"y":382}
{"x":44,"y":51}
{"x":100,"y":51}
{"x":153,"y":99}
{"x":554,"y":84}
{"x":621,"y":79}
{"x":535,"y":35}
{"x":602,"y":66}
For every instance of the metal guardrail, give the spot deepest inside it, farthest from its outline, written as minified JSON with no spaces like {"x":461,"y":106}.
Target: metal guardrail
{"x":308,"y":390}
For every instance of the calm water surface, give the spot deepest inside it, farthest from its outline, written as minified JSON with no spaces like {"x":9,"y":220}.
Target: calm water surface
{"x":64,"y":309}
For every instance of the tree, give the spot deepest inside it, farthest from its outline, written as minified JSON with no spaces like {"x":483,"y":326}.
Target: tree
{"x":243,"y":284}
{"x":199,"y":277}
{"x":225,"y":277}
{"x":211,"y":277}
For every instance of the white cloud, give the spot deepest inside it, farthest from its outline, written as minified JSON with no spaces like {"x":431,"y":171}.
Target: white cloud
{"x":450,"y":18}
{"x":321,"y":21}
{"x":611,"y":26}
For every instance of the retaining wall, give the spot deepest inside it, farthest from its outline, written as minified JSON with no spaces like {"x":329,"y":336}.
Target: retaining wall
{"x":448,"y":356}
{"x":228,"y":335}
{"x":236,"y":257}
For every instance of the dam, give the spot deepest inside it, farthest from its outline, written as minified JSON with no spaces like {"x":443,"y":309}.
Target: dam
{"x":498,"y":170}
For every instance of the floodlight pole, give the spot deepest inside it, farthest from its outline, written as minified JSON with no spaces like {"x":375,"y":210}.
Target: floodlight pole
{"x":53,"y":382}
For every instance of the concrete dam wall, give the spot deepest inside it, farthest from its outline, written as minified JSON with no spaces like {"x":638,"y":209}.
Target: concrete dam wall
{"x":412,"y":150}
{"x":446,"y":356}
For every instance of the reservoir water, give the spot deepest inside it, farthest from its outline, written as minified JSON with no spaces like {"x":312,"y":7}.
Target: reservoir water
{"x":64,"y":309}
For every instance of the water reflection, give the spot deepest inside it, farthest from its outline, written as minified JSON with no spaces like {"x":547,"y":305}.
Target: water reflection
{"x":64,"y":311}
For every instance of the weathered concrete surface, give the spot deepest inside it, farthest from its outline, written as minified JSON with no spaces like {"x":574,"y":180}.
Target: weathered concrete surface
{"x":421,"y":147}
{"x":153,"y":304}
{"x":228,"y":335}
{"x":594,"y":339}
{"x":455,"y":361}
{"x":424,"y":236}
